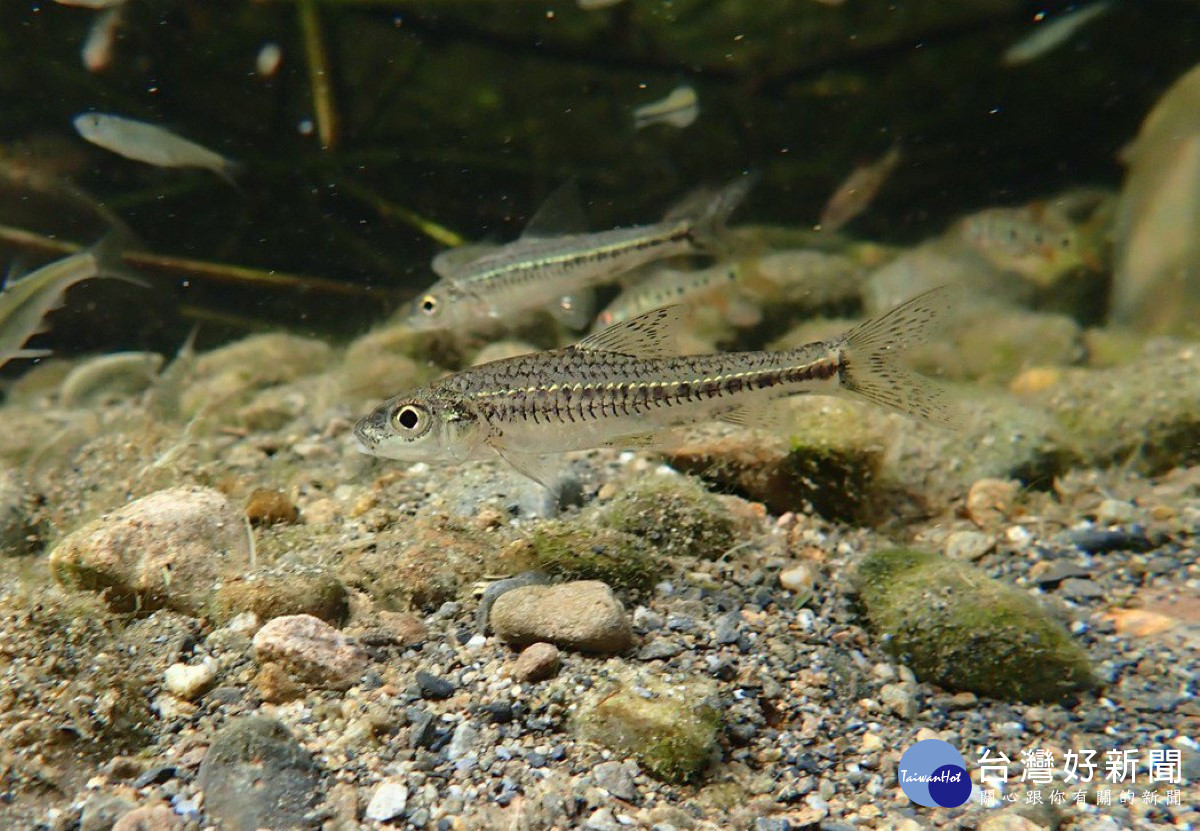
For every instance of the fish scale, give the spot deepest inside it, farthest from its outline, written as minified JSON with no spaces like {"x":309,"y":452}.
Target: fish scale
{"x":619,"y":387}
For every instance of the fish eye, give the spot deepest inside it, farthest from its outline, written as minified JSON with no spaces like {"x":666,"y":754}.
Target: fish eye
{"x":410,"y":420}
{"x":429,"y":304}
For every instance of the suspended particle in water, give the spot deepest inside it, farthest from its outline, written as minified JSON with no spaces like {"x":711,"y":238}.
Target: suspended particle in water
{"x":268,"y":60}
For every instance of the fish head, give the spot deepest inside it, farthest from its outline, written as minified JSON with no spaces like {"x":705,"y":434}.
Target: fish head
{"x":445,"y":306}
{"x":420,"y":427}
{"x":88,"y":124}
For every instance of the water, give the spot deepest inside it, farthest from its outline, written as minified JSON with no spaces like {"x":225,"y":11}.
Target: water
{"x":150,"y":525}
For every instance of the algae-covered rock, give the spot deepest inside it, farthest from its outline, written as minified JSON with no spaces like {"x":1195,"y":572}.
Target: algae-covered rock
{"x":669,"y":726}
{"x":830,"y":465}
{"x":960,"y":629}
{"x":1146,"y":413}
{"x":419,"y":565}
{"x":675,"y":514}
{"x":169,"y":549}
{"x":226,"y":377}
{"x":584,"y":552}
{"x":285,"y":589}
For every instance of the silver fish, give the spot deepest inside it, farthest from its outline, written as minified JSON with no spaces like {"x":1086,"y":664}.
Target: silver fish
{"x":1049,"y":35}
{"x":623,"y":388}
{"x":98,"y":47}
{"x":480,"y":283}
{"x":678,"y":109}
{"x":716,"y":285}
{"x":855,"y":194}
{"x":24,"y":303}
{"x":150,"y":143}
{"x":92,"y":4}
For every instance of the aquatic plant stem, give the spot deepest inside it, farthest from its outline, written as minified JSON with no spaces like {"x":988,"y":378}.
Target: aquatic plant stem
{"x":319,"y":75}
{"x":391,"y":210}
{"x":221,"y":272}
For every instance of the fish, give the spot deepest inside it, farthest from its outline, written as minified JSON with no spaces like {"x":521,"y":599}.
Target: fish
{"x":24,"y":303}
{"x":625,"y":387}
{"x":149,"y":143}
{"x":716,"y":285}
{"x":856,"y":193}
{"x":678,"y":109}
{"x":1029,"y":241}
{"x":1046,"y":37}
{"x":596,"y":5}
{"x":97,"y":52}
{"x":92,"y":4}
{"x":482,"y":283}
{"x":109,"y":377}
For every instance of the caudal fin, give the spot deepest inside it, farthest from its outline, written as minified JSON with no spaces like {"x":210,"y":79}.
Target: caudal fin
{"x":708,"y":211}
{"x":872,"y":368}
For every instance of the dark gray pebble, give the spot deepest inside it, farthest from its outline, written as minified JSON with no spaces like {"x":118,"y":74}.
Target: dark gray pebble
{"x":256,"y":775}
{"x":1098,"y":540}
{"x":434,"y":687}
{"x":1081,"y":589}
{"x":659,"y":649}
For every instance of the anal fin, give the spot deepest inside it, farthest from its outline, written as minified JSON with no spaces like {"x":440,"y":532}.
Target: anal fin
{"x":769,"y":414}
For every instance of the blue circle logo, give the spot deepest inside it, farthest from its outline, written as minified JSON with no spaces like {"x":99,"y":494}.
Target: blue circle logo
{"x":932,"y":773}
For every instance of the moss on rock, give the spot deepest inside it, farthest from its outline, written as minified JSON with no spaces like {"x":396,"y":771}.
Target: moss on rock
{"x":960,"y":629}
{"x":675,"y":514}
{"x":584,"y":552}
{"x":670,"y":728}
{"x":285,"y":589}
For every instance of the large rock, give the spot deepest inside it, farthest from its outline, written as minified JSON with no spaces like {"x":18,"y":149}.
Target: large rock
{"x":170,"y":549}
{"x":958,"y":628}
{"x":584,"y":615}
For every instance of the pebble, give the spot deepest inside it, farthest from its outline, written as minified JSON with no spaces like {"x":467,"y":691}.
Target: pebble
{"x":967,"y":545}
{"x":990,"y":502}
{"x":1078,"y":589}
{"x":537,"y":662}
{"x":1008,"y":822}
{"x":659,"y":649}
{"x":617,"y":779}
{"x":150,"y":818}
{"x":101,"y":810}
{"x":255,"y":775}
{"x":433,"y":687}
{"x":388,"y":802}
{"x":462,"y":741}
{"x":798,"y":578}
{"x":310,"y":651}
{"x":1114,"y":511}
{"x":188,"y":681}
{"x":1100,"y":540}
{"x":15,"y":528}
{"x":900,"y":699}
{"x":171,"y":548}
{"x":270,"y":507}
{"x":583,"y":615}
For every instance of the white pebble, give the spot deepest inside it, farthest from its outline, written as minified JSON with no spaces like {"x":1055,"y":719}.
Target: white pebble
{"x":797,"y":578}
{"x":388,"y":802}
{"x":188,"y":681}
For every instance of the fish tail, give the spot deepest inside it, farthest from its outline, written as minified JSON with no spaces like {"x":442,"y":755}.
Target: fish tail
{"x":109,"y":253}
{"x":871,"y":368}
{"x":707,"y":212}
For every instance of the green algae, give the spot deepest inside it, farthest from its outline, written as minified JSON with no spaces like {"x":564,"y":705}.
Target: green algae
{"x":582,"y":552}
{"x":960,"y":629}
{"x":675,"y":514}
{"x":671,"y":729}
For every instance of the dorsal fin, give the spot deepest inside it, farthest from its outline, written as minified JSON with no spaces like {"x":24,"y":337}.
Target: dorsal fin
{"x":559,"y":216}
{"x":450,"y":261}
{"x":651,"y":335}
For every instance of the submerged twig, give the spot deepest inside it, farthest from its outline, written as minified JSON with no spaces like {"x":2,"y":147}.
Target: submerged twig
{"x":318,"y":74}
{"x":221,"y":272}
{"x":391,"y":210}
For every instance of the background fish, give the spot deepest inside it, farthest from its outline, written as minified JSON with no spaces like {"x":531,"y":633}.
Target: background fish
{"x":24,"y":303}
{"x":679,"y":109}
{"x":485,"y":283}
{"x":150,"y":143}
